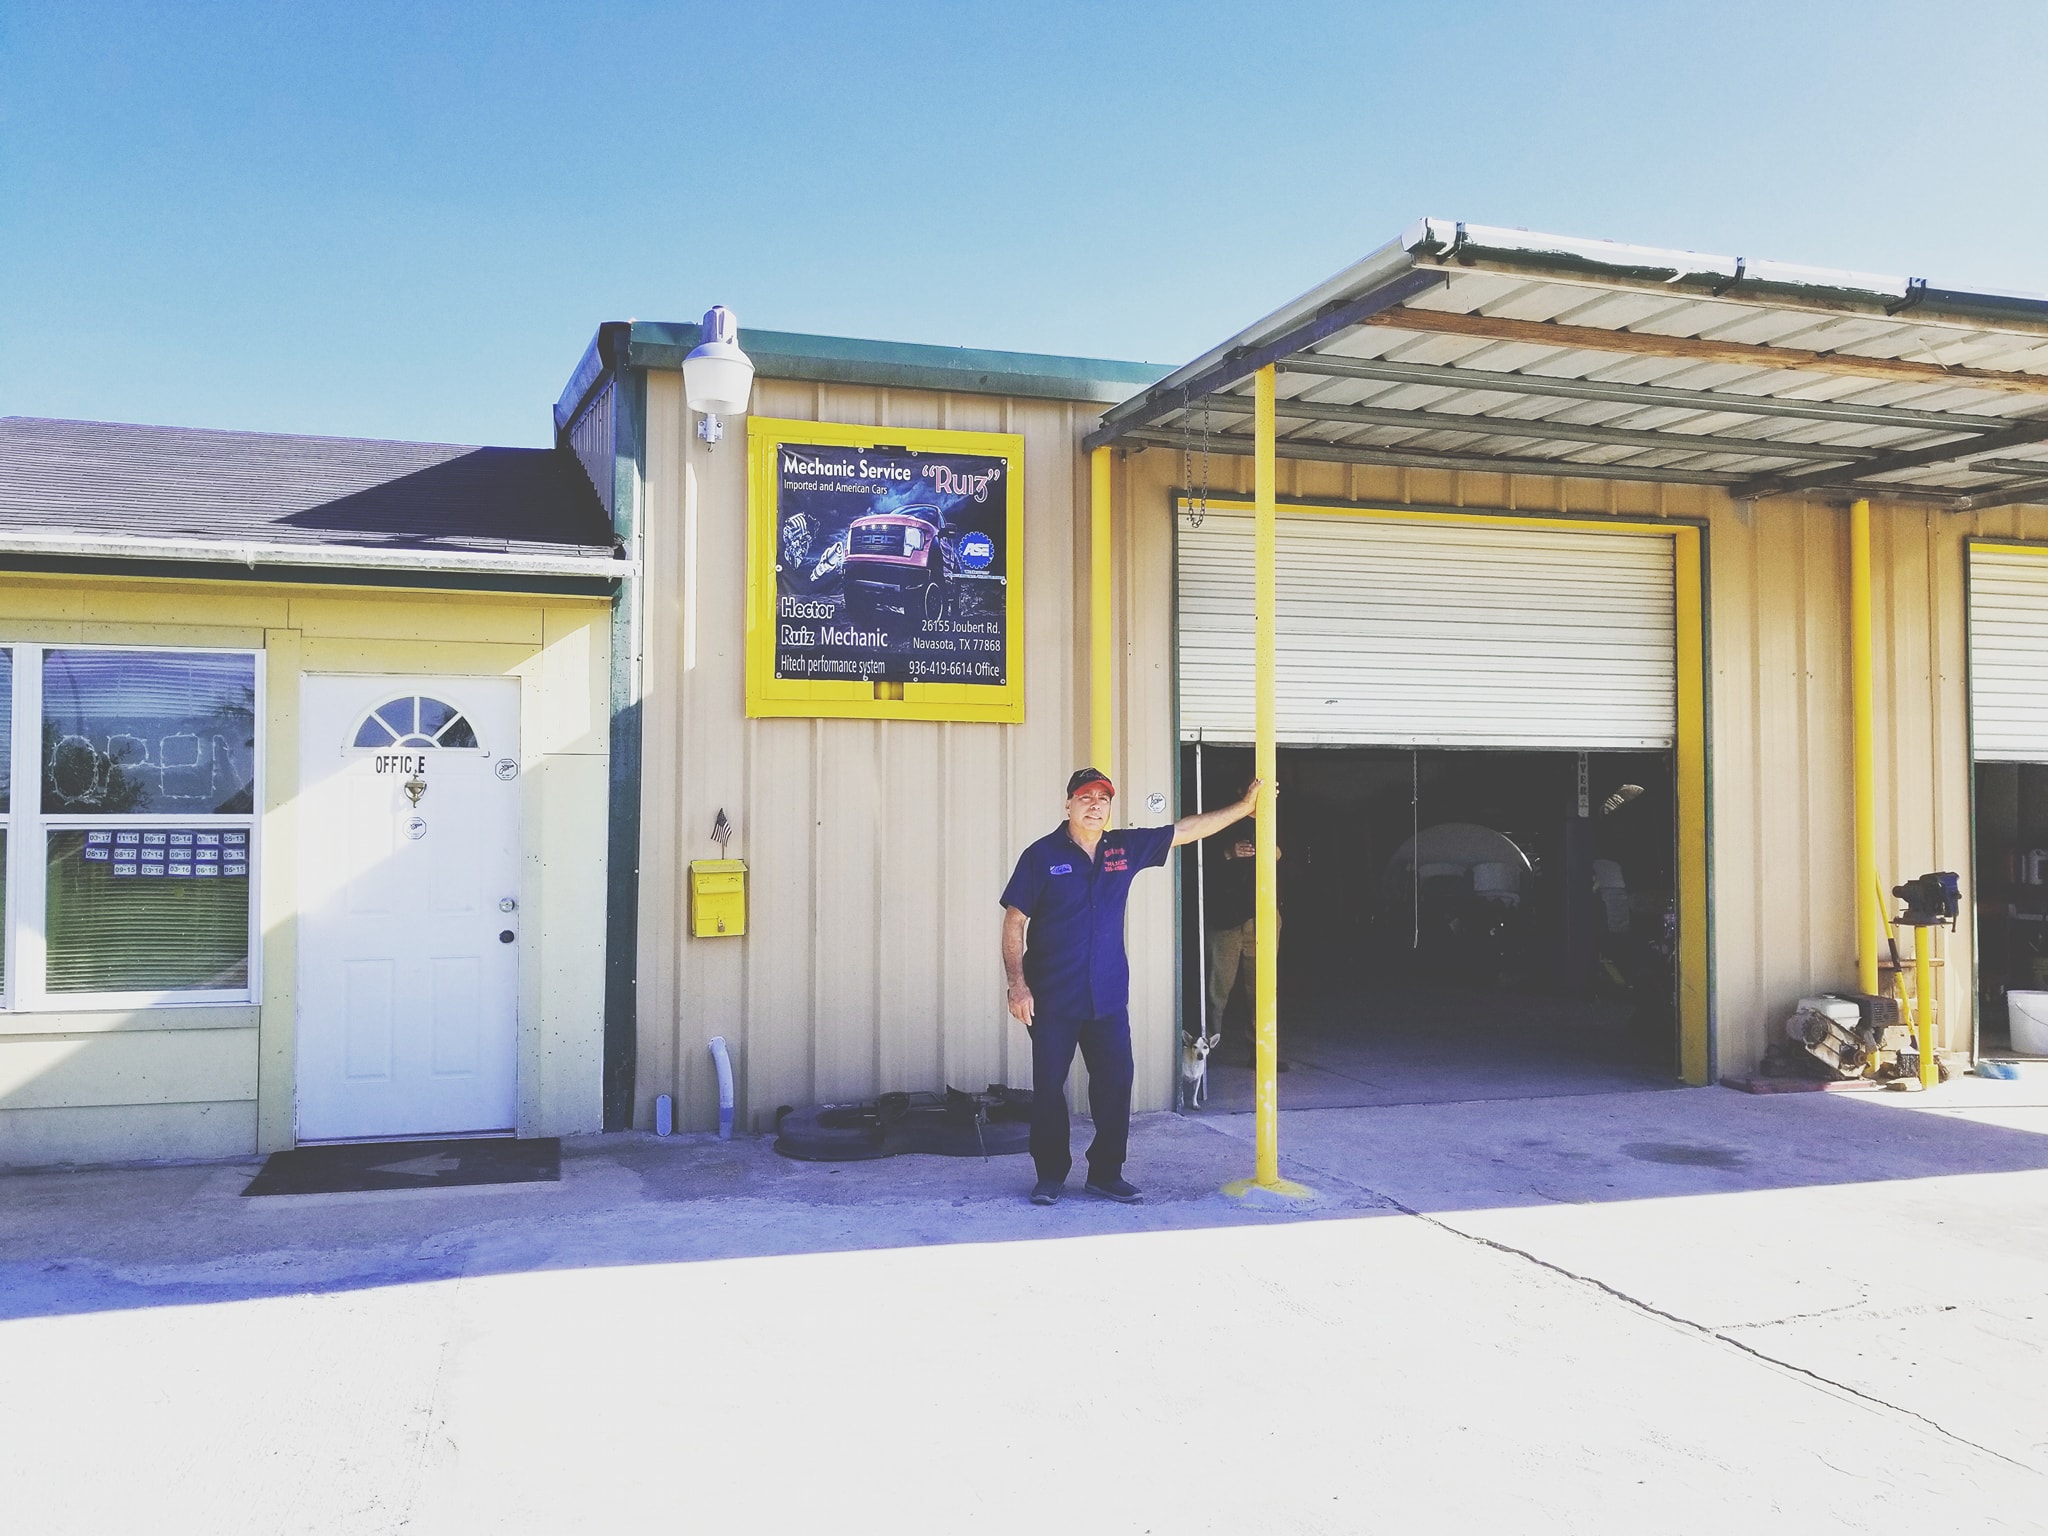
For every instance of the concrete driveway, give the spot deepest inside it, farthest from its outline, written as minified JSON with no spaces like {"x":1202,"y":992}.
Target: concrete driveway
{"x":1639,"y":1312}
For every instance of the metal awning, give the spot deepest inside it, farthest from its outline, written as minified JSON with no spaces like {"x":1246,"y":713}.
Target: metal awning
{"x":1466,"y":347}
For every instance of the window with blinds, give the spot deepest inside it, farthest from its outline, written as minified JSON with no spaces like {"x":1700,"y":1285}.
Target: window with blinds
{"x":130,"y":853}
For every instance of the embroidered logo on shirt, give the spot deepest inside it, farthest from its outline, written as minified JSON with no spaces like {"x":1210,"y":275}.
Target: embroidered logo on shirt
{"x":1115,"y":863}
{"x":1063,"y":869}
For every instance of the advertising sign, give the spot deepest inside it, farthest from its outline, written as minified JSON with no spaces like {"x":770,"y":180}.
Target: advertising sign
{"x":889,"y":560}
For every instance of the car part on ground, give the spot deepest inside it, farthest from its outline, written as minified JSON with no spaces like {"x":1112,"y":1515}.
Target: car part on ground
{"x":992,"y":1123}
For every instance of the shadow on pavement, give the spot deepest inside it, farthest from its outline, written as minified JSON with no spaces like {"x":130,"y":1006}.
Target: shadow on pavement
{"x":108,"y":1240}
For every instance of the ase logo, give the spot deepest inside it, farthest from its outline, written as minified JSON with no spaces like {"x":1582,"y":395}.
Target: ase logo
{"x":976,"y":551}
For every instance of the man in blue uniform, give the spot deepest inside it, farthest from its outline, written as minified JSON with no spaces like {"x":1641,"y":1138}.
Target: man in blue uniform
{"x":1070,"y":981}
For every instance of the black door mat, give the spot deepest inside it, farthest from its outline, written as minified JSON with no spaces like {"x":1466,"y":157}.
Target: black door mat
{"x":363,"y":1166}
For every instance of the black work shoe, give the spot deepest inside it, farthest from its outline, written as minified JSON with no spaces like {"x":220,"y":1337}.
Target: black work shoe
{"x":1122,"y":1191}
{"x":1046,"y":1192}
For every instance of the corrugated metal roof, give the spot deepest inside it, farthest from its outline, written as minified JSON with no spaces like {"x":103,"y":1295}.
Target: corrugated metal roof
{"x":1466,"y":347}
{"x":236,"y":488}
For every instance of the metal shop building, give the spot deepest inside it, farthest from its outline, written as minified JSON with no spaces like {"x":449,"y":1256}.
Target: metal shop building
{"x":1602,"y":573}
{"x":1616,"y":624}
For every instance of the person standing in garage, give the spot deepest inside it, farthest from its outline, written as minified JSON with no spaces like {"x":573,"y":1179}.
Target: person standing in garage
{"x":1070,"y":979}
{"x":1233,"y":932}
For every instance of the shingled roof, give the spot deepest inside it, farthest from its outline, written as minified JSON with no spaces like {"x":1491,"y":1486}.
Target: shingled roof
{"x":177,"y":486}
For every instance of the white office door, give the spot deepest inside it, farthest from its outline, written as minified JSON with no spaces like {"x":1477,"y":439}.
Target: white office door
{"x":408,"y":914}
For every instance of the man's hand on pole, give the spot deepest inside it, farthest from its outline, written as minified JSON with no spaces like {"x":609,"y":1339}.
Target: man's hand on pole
{"x":1201,"y":824}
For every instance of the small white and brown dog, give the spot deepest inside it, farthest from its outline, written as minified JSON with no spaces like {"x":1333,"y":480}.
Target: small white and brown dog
{"x":1194,"y":1067}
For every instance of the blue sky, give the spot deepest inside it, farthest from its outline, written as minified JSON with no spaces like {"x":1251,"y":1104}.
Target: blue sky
{"x":406,"y":220}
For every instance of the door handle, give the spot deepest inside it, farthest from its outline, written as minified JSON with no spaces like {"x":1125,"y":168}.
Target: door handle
{"x":505,"y":936}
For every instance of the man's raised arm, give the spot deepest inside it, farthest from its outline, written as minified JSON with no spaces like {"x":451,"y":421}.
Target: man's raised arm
{"x":1192,"y":829}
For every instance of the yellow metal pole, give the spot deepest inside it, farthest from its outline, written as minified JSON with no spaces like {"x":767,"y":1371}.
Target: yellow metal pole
{"x":1869,"y":915}
{"x":1101,"y":617}
{"x":1927,"y":947}
{"x":1265,"y":759}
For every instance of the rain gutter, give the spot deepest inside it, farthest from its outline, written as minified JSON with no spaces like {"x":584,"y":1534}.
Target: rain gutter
{"x":257,"y":553}
{"x":1697,"y":274}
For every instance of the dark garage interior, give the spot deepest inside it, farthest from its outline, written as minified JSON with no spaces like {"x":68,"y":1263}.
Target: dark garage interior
{"x":1456,"y":924}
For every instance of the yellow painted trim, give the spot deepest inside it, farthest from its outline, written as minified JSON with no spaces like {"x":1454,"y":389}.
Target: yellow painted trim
{"x":1863,"y":748}
{"x":1621,"y":522}
{"x":88,"y":631}
{"x":1101,"y":616}
{"x":2009,"y":547}
{"x":1265,"y":764}
{"x":770,"y":696}
{"x":118,"y":1021}
{"x":278,"y":893}
{"x":477,"y":658}
{"x":1694,"y":1026}
{"x":1695,"y":1023}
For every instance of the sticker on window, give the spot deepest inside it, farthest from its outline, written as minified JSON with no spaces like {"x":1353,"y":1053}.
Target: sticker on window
{"x":172,"y":854}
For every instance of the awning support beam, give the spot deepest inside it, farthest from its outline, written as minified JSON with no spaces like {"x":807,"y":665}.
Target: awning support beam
{"x":1702,"y":349}
{"x":1237,"y":443}
{"x":1447,"y":376}
{"x":1545,"y":428}
{"x":2031,"y":430}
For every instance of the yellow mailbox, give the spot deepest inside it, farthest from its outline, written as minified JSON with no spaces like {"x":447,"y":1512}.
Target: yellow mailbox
{"x":718,"y":898}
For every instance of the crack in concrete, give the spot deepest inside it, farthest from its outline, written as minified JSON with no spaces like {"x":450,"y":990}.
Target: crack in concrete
{"x":1676,"y":1320}
{"x":1801,"y":1317}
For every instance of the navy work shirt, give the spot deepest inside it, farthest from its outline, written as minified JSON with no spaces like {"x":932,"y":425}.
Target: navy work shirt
{"x":1074,"y":959}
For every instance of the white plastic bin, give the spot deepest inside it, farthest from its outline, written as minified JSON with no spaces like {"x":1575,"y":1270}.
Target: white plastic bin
{"x":2028,"y":1012}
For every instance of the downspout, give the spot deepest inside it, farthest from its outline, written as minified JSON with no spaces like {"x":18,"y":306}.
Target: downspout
{"x":722,"y":1060}
{"x":1862,"y":693}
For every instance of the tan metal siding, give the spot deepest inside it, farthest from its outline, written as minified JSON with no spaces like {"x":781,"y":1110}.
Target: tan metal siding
{"x":877,"y":850}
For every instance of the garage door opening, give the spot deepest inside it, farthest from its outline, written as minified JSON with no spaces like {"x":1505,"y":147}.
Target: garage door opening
{"x":2012,"y":907}
{"x":1456,"y":924}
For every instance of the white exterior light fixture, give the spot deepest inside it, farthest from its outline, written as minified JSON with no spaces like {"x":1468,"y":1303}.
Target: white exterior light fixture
{"x":718,"y":377}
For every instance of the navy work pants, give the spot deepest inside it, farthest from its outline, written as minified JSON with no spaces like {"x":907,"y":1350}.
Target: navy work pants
{"x":1106,"y":1047}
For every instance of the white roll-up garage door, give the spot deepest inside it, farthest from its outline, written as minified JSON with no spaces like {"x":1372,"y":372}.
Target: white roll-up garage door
{"x":2009,"y":655}
{"x":1423,"y":633}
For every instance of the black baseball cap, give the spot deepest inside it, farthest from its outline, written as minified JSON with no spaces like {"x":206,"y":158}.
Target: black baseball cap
{"x":1086,"y":776}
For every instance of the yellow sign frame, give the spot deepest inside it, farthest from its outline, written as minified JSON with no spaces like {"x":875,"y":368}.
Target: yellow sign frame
{"x":769,"y":696}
